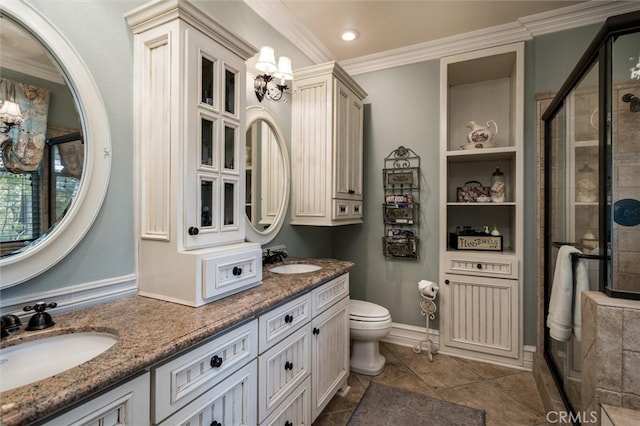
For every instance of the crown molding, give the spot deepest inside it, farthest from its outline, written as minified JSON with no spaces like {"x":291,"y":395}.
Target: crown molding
{"x":525,"y":28}
{"x":12,"y":60}
{"x":276,"y":14}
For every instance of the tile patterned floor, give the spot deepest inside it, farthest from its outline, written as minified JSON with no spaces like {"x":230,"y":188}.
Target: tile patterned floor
{"x":508,"y":396}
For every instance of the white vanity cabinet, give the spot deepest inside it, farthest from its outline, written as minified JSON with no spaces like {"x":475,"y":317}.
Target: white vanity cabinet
{"x":304,"y":354}
{"x":326,"y":147}
{"x":125,"y":405}
{"x":189,"y":80}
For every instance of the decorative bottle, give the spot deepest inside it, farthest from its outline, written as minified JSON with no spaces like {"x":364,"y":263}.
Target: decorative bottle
{"x":498,"y":186}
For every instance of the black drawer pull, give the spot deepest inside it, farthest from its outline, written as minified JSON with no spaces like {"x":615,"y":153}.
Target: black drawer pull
{"x":316,"y":331}
{"x":216,"y":361}
{"x":288,"y":365}
{"x":288,"y":423}
{"x":193,"y":230}
{"x":446,"y":281}
{"x":479,"y":266}
{"x":215,"y":423}
{"x":236,"y":271}
{"x":288,"y":319}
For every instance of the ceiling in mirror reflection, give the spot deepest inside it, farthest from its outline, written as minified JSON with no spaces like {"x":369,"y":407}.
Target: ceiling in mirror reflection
{"x":23,"y":53}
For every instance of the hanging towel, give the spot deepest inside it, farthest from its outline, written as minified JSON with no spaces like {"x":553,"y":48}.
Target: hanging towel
{"x":562,"y":319}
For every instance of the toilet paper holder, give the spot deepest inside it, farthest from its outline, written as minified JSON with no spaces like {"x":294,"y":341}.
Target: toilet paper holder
{"x":428,"y":292}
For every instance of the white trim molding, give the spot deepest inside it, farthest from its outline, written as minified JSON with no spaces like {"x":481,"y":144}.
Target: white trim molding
{"x":411,"y":336}
{"x":282,"y":20}
{"x":75,"y":297}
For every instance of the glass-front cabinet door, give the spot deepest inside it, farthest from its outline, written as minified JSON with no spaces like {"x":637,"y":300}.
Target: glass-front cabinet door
{"x":212,"y":190}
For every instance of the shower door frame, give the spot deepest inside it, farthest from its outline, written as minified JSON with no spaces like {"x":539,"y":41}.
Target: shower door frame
{"x":600,"y":50}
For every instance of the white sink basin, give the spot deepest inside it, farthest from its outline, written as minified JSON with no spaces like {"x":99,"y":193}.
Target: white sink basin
{"x":295,"y":268}
{"x":38,"y":359}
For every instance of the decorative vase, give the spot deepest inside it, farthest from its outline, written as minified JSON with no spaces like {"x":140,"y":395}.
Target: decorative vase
{"x":482,"y":135}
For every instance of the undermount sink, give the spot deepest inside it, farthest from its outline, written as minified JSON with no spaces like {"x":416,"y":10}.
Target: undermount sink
{"x":295,"y":268}
{"x":38,"y":359}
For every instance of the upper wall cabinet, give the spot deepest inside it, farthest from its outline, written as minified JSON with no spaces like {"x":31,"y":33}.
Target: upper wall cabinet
{"x":326,"y":147}
{"x":189,"y":131}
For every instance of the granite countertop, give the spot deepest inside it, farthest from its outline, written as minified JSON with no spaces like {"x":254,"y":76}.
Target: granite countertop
{"x":149,"y":331}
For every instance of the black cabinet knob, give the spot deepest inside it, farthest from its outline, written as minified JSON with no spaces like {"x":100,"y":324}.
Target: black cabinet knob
{"x":193,"y":230}
{"x":479,"y":266}
{"x":288,"y":365}
{"x":236,"y":271}
{"x":316,"y":331}
{"x":288,"y":423}
{"x":446,"y":281}
{"x":216,"y":361}
{"x":215,"y":423}
{"x":288,"y":319}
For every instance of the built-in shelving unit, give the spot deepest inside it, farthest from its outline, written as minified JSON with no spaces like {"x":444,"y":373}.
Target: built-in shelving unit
{"x":481,"y":282}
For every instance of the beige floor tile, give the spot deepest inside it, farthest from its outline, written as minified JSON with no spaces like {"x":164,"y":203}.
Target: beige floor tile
{"x":349,"y":402}
{"x":501,"y":409}
{"x":443,"y":372}
{"x":508,"y":396}
{"x":487,"y":370}
{"x":522,"y":388}
{"x":400,"y":376}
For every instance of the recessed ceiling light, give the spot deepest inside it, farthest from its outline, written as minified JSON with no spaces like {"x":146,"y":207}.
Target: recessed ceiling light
{"x":349,"y":35}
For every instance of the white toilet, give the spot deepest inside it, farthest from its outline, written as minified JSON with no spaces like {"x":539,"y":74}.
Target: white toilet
{"x":368,"y":323}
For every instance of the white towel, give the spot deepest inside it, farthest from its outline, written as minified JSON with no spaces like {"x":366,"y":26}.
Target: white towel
{"x":561,"y":320}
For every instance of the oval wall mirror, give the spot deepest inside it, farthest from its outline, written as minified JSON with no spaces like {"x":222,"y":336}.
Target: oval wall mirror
{"x":267,"y":176}
{"x":55,"y":155}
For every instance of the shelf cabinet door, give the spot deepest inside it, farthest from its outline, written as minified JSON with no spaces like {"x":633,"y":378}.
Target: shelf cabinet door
{"x":214,"y":180}
{"x":348,"y":143}
{"x":481,"y":314}
{"x":330,"y":353}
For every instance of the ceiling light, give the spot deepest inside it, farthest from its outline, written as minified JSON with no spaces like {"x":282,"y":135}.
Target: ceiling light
{"x":349,"y":35}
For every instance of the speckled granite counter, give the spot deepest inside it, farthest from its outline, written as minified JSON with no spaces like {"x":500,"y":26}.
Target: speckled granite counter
{"x":148,"y":331}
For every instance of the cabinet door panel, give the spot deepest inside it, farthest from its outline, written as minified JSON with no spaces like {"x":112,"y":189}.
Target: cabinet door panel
{"x":481,"y":314}
{"x":330,"y":349}
{"x":282,"y":369}
{"x":229,"y":403}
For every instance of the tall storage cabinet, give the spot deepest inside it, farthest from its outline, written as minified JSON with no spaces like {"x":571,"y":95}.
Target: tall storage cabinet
{"x":481,"y":289}
{"x":189,"y":130}
{"x":326,"y":147}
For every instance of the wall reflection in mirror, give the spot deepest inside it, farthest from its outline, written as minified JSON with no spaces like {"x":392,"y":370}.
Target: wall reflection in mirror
{"x":42,"y":152}
{"x":267,"y":176}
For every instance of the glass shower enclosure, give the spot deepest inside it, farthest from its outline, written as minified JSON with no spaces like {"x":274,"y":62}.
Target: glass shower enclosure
{"x":592,"y":181}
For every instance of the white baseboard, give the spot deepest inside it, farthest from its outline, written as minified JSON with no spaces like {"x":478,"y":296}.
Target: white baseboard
{"x":411,"y":335}
{"x":74,"y":297}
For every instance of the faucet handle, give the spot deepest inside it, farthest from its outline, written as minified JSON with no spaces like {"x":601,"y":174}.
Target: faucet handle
{"x":40,"y":319}
{"x":39,"y":307}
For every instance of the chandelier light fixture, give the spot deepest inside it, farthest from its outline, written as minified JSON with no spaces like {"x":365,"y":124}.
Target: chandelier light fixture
{"x":263,"y":84}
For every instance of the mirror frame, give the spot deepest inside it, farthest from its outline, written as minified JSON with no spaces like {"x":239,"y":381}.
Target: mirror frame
{"x":255,"y":113}
{"x":43,"y":254}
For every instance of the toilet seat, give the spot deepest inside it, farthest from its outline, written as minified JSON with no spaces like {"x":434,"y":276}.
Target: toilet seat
{"x":362,"y":311}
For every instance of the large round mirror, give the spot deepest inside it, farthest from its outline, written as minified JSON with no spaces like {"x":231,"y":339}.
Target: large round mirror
{"x":55,"y":145}
{"x":267,"y":176}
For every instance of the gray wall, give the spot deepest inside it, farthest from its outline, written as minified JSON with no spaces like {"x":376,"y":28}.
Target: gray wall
{"x":402,"y":109}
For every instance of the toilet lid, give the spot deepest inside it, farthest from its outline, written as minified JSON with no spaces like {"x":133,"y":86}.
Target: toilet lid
{"x":367,"y":310}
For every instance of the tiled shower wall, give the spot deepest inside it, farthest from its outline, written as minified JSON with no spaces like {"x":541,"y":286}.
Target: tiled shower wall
{"x":626,"y":240}
{"x":610,"y":352}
